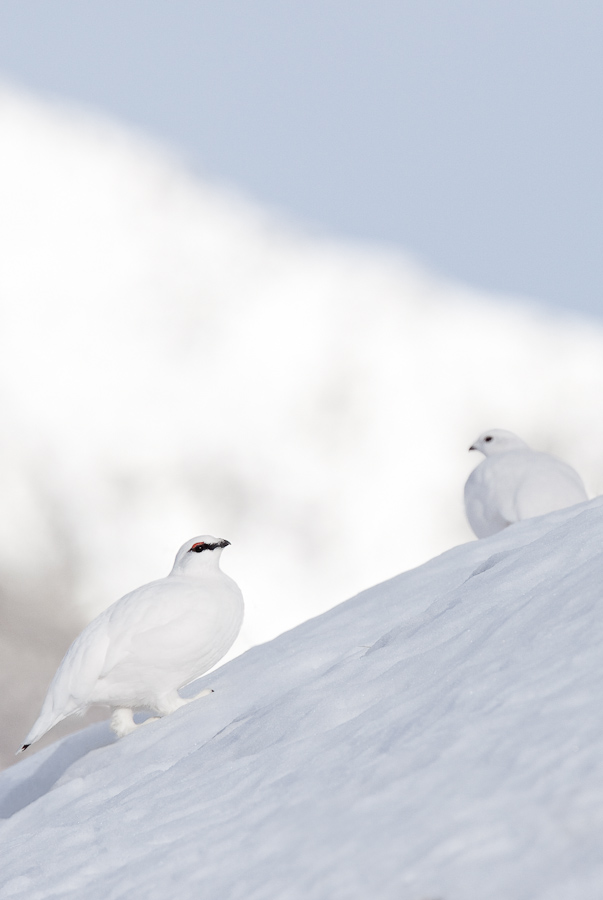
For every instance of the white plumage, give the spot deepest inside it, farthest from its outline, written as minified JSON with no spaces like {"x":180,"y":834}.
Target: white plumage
{"x":142,"y":649}
{"x":515,"y":482}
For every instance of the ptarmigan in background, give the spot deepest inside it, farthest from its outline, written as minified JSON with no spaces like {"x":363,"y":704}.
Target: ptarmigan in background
{"x":515,"y":482}
{"x":142,"y":649}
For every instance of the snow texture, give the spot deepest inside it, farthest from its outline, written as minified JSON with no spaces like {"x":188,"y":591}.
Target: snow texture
{"x":439,"y":735}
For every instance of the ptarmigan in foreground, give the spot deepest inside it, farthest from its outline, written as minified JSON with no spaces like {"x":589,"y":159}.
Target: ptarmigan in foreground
{"x":155,"y":640}
{"x":515,"y":482}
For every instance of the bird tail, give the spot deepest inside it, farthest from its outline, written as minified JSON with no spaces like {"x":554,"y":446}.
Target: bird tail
{"x":45,"y":721}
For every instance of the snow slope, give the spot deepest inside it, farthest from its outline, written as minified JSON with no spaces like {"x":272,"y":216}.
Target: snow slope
{"x":439,"y":735}
{"x":175,"y":360}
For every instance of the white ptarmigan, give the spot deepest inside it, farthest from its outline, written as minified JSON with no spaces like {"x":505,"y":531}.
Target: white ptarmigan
{"x":515,"y":482}
{"x":142,"y":649}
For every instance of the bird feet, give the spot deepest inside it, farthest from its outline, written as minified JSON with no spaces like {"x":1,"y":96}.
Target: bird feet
{"x":202,"y":693}
{"x":122,"y":722}
{"x":174,"y":701}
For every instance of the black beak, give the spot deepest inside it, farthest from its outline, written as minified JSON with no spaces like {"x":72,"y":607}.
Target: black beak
{"x":223,"y":544}
{"x":472,"y":447}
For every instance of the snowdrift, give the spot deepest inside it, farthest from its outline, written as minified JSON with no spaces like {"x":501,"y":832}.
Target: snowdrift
{"x":439,"y":735}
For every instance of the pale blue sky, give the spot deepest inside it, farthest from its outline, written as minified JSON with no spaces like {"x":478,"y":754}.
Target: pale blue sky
{"x":468,"y":133}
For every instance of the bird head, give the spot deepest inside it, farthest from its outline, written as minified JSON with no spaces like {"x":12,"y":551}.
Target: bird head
{"x":497,"y":440}
{"x":199,"y":553}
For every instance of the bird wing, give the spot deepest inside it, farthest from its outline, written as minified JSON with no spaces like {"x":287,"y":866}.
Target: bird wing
{"x":156,"y":617}
{"x":547,"y":484}
{"x":173,"y":631}
{"x":106,"y":638}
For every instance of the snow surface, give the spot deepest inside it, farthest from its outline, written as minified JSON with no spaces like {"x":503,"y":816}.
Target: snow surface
{"x":175,"y":360}
{"x":439,"y":735}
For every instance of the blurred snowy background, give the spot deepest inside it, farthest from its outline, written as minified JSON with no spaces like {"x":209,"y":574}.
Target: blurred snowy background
{"x":177,"y":358}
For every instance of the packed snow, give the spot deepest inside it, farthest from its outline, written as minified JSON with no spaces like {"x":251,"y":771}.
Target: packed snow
{"x":175,"y":359}
{"x":439,"y":735}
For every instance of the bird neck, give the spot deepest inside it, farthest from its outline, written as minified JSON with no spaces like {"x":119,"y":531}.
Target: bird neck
{"x":198,"y":565}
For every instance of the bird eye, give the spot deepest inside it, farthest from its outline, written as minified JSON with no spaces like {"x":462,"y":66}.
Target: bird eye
{"x":489,"y":438}
{"x":197,"y":548}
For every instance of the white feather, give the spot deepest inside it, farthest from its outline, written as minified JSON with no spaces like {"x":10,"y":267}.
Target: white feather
{"x":515,"y":482}
{"x":142,"y":649}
